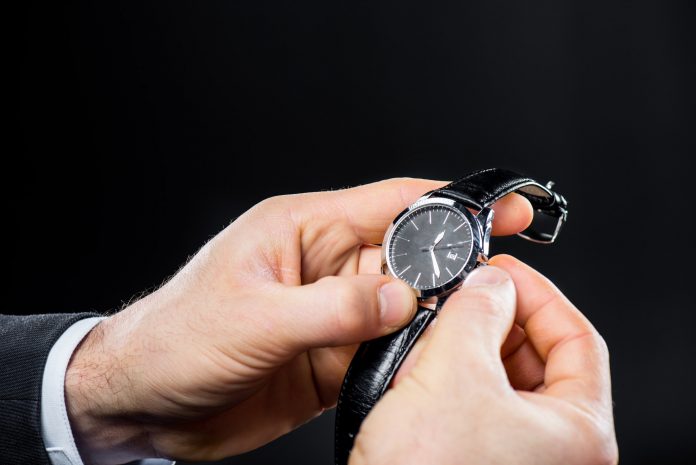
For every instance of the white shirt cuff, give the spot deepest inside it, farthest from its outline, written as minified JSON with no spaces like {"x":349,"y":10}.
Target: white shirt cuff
{"x":55,"y":426}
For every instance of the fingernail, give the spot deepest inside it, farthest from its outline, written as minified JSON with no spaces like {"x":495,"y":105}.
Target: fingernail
{"x":486,"y":276}
{"x":395,"y":303}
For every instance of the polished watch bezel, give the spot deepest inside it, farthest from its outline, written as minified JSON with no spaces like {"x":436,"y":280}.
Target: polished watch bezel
{"x":471,"y":262}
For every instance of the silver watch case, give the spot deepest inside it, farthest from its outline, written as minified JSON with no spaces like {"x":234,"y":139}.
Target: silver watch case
{"x":481,"y":226}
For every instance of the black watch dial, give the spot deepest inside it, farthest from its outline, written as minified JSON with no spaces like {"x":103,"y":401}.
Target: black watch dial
{"x":429,"y":246}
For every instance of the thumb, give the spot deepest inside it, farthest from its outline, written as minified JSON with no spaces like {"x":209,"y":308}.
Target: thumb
{"x":464,"y":346}
{"x":337,"y":311}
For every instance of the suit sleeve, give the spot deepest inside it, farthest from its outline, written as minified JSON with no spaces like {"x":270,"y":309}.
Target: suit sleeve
{"x":25,"y":342}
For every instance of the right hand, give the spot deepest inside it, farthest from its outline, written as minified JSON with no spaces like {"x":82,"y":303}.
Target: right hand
{"x":473,"y":391}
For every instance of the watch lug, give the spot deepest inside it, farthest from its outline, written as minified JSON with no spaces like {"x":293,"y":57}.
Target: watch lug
{"x":485,"y":221}
{"x":482,"y":259}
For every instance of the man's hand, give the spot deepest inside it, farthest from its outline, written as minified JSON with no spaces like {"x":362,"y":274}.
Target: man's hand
{"x":465,"y":396}
{"x":253,"y":336}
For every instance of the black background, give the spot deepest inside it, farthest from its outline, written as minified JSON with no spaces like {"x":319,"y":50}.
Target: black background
{"x":144,"y":127}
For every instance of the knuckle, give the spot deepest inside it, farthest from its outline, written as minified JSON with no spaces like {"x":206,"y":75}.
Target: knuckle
{"x":280,"y":211}
{"x":610,"y":454}
{"x":595,"y":343}
{"x":399,"y":185}
{"x":485,"y":302}
{"x":397,"y":181}
{"x":597,"y":433}
{"x":606,"y":451}
{"x":349,"y":306}
{"x":273,"y":203}
{"x":402,"y":179}
{"x":601,"y":344}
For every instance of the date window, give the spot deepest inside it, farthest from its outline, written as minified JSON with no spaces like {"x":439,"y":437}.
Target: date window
{"x":452,"y":255}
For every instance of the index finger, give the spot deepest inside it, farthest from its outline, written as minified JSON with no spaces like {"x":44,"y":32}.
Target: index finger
{"x":576,"y":356}
{"x":369,"y":209}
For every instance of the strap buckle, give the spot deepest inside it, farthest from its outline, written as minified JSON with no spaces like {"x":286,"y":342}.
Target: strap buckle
{"x":557,"y":209}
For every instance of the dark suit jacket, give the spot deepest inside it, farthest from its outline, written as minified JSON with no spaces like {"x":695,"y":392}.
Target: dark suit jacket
{"x":25,"y":342}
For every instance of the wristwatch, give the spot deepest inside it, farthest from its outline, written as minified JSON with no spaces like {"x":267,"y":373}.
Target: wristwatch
{"x":433,"y":245}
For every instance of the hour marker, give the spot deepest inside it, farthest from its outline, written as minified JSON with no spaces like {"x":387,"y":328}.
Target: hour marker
{"x":430,"y":217}
{"x":402,"y":238}
{"x":414,"y":225}
{"x":415,"y":283}
{"x":433,"y":279}
{"x":450,"y":273}
{"x":405,"y":270}
{"x":399,"y":255}
{"x":446,"y":216}
{"x":455,"y":229}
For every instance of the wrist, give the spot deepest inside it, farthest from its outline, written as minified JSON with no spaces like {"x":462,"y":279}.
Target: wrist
{"x":103,"y":430}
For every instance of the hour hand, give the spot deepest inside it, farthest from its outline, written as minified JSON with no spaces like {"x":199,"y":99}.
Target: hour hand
{"x":436,"y":268}
{"x":439,"y":238}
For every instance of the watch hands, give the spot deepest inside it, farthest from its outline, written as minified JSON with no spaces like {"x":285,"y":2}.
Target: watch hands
{"x":435,"y":267}
{"x":439,"y":238}
{"x":441,"y":247}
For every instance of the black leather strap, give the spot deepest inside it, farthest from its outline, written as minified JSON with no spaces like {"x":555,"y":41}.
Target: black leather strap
{"x":483,"y":188}
{"x":368,"y":377}
{"x":376,"y":362}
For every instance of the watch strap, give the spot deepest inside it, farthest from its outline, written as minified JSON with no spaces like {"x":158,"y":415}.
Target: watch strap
{"x":368,"y":377}
{"x":483,"y":188}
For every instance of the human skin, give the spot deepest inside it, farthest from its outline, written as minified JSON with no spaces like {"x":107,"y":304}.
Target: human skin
{"x":474,"y":392}
{"x":252,"y":337}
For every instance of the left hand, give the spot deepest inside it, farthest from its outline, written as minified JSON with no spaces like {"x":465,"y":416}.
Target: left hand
{"x":253,"y":336}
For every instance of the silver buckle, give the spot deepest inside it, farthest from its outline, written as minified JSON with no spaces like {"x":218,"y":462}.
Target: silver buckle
{"x":544,"y":237}
{"x":541,"y":237}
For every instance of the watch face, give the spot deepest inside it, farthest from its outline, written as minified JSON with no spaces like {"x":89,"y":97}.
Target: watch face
{"x":429,"y":246}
